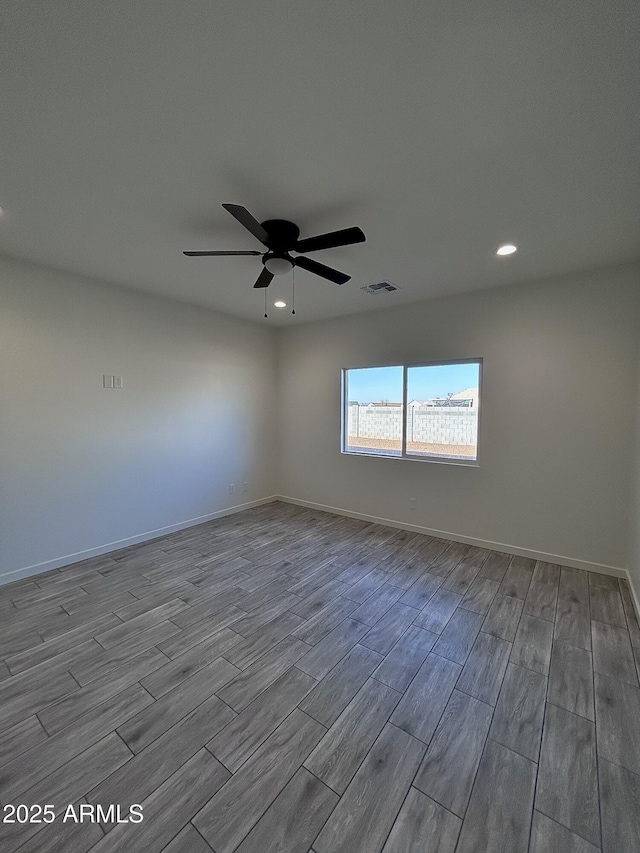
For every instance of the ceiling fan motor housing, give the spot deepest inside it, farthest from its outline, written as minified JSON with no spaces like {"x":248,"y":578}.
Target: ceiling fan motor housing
{"x":282,"y":238}
{"x":283,"y":235}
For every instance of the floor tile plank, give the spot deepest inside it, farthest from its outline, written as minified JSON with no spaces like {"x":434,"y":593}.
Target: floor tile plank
{"x":495,"y":566}
{"x":484,"y":670}
{"x":45,"y":757}
{"x":612,"y":655}
{"x":121,"y":632}
{"x":241,"y":737}
{"x":480,"y":594}
{"x":606,"y":605}
{"x":517,"y":578}
{"x":543,"y":592}
{"x":331,"y":696}
{"x":517,"y":722}
{"x":461,"y":578}
{"x":567,"y":789}
{"x":68,"y":837}
{"x":228,"y":817}
{"x":27,"y":702}
{"x":532,"y":644}
{"x":248,"y":684}
{"x":87,"y":769}
{"x":438,"y":611}
{"x":629,"y":612}
{"x":142,"y":729}
{"x":620,"y":805}
{"x":188,"y":840}
{"x":61,"y":713}
{"x":457,"y":639}
{"x":450,"y":764}
{"x":446,"y":561}
{"x":374,"y":607}
{"x":71,"y":640}
{"x":151,"y":767}
{"x":572,"y":612}
{"x":571,"y":680}
{"x":326,"y":654}
{"x":423,"y":825}
{"x":383,"y":636}
{"x":421,"y":707}
{"x":422,"y":590}
{"x":20,"y":737}
{"x":169,"y":807}
{"x":365,"y":587}
{"x":317,"y":628}
{"x":294,"y":818}
{"x":253,"y":647}
{"x":503,"y":617}
{"x":340,"y":752}
{"x":499,"y":814}
{"x":547,"y":836}
{"x":618,"y":722}
{"x":405,"y":658}
{"x":199,"y":631}
{"x":360,"y":823}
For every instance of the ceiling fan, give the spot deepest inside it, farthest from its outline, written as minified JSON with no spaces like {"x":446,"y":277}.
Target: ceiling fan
{"x":281,"y":238}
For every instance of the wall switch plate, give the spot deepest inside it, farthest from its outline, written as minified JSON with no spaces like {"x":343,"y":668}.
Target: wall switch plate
{"x":232,"y":488}
{"x":107,"y":381}
{"x":117,"y":381}
{"x":245,"y":487}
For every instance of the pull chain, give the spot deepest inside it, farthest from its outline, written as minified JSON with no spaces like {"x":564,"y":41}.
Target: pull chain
{"x":293,"y":290}
{"x":265,"y":303}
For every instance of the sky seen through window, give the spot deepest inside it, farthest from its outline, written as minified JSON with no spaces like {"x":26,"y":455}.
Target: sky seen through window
{"x":378,"y":384}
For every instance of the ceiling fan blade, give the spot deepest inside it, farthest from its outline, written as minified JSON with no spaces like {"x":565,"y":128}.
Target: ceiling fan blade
{"x":329,"y":241}
{"x":203,"y":254}
{"x":250,"y":223}
{"x":264,"y":279}
{"x":322,"y":270}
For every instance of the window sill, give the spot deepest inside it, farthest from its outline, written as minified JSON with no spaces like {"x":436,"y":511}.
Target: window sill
{"x":438,"y":460}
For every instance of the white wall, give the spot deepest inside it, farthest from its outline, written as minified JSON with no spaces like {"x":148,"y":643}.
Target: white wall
{"x":634,"y":534}
{"x":557,"y":485}
{"x":82,"y":467}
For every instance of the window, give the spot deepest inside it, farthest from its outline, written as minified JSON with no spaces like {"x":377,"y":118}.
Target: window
{"x":422,"y":411}
{"x":374,"y":410}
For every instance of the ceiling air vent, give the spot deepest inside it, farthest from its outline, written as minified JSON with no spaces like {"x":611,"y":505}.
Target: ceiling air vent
{"x":380,"y":287}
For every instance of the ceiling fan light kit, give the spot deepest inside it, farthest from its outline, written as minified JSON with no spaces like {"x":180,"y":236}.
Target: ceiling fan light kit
{"x":277,"y":264}
{"x":281,"y":238}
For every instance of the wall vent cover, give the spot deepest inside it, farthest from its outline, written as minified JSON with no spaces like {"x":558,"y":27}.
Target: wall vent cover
{"x":380,"y":287}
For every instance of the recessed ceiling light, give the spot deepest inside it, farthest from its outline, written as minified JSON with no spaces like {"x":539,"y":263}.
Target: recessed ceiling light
{"x":280,"y":304}
{"x":509,"y":249}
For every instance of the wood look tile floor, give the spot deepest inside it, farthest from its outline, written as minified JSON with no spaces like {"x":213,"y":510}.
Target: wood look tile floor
{"x":293,"y":681}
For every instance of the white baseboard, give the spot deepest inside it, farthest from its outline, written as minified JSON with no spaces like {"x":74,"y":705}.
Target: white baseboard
{"x":68,"y":559}
{"x":634,"y":595}
{"x":502,"y":547}
{"x":603,"y":568}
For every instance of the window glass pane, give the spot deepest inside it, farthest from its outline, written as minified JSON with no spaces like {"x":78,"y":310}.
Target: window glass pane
{"x":442,"y":410}
{"x":373,"y":416}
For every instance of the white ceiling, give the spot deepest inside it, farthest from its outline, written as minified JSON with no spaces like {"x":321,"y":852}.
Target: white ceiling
{"x":442,"y":129}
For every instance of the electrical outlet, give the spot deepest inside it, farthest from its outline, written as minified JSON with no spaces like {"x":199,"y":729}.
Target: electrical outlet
{"x":107,"y":381}
{"x":245,"y":487}
{"x":117,"y":381}
{"x":232,"y":488}
{"x":412,"y":503}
